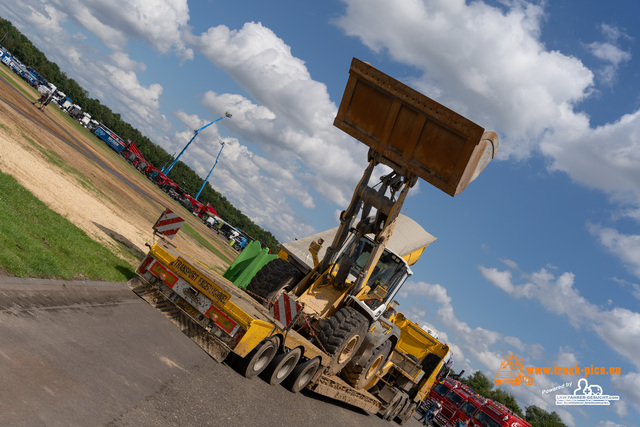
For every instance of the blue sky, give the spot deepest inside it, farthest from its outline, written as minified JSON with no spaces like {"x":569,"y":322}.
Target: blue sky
{"x":539,"y":256}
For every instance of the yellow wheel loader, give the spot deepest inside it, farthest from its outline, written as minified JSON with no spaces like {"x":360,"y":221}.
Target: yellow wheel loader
{"x":316,"y":313}
{"x":346,"y":291}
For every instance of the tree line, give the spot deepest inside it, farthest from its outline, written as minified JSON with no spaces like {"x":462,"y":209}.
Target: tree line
{"x":22,"y":48}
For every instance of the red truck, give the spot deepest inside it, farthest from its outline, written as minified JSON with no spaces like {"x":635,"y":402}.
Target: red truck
{"x":495,"y":414}
{"x":452,"y":402}
{"x":460,"y":402}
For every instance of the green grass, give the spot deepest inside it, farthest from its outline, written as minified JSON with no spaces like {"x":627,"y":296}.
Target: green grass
{"x":57,"y":161}
{"x":37,"y":242}
{"x":204,"y":242}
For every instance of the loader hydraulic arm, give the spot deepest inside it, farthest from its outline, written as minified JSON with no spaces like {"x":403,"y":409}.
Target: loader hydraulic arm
{"x":364,"y":199}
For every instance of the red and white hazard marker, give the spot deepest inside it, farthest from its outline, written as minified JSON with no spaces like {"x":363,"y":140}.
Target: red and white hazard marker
{"x":169,"y":223}
{"x":285,"y":309}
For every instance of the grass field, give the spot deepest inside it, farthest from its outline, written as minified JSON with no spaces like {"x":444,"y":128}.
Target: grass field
{"x":37,"y":242}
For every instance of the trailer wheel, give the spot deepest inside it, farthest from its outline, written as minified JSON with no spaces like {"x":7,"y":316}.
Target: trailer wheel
{"x":395,"y":406}
{"x":301,"y":375}
{"x":359,"y":376}
{"x":409,"y":413}
{"x":402,"y":409}
{"x":281,"y":366}
{"x":259,"y":358}
{"x":274,"y":277}
{"x":341,"y":336}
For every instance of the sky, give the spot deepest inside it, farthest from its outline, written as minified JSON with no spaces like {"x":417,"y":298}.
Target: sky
{"x":539,"y":256}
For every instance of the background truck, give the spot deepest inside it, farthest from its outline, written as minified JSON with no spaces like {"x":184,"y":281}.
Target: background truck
{"x":116,"y":143}
{"x":323,"y":326}
{"x":460,"y":402}
{"x":452,"y":403}
{"x":406,"y":379}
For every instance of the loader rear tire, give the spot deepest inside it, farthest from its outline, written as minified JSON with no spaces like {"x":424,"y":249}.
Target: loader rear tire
{"x":276,"y":276}
{"x":302,"y":375}
{"x":341,"y":336}
{"x":359,"y":376}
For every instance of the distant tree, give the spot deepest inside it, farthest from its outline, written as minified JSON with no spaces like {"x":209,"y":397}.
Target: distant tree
{"x":479,"y":382}
{"x":538,"y":417}
{"x":507,"y":400}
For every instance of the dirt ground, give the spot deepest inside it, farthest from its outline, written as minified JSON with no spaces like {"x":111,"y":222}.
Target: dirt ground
{"x":81,"y":178}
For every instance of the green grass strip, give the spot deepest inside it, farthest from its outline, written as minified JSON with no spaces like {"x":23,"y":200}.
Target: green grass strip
{"x":206,"y":243}
{"x":38,"y":242}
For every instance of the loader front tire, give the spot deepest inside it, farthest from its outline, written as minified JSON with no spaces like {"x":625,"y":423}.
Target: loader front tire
{"x":341,"y":336}
{"x":360,"y":375}
{"x":275,"y":277}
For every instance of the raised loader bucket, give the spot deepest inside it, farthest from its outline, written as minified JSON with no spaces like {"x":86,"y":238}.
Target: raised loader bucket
{"x":423,"y":137}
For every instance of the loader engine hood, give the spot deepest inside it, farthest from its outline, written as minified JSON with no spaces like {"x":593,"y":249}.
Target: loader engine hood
{"x":408,"y":241}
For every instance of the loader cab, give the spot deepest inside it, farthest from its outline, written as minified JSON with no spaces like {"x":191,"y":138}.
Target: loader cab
{"x":390,"y":272}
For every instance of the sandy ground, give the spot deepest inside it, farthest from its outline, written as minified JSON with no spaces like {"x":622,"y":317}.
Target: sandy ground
{"x":82,"y":179}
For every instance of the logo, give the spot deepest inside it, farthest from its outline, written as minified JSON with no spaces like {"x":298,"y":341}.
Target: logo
{"x":585,"y":394}
{"x":511,"y":371}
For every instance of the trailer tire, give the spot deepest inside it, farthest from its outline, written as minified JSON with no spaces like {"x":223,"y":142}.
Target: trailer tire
{"x":301,"y":375}
{"x":386,"y":415}
{"x":359,"y":376}
{"x":274,"y":277}
{"x":395,"y":406}
{"x":402,"y":411}
{"x":259,"y":358}
{"x":410,"y":411}
{"x":281,"y":366}
{"x":341,"y":336}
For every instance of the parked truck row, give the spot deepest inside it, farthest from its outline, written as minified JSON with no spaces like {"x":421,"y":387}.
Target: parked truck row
{"x":461,"y":403}
{"x":322,"y":315}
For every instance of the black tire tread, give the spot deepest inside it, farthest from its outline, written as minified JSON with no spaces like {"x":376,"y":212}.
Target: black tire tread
{"x":354,"y":374}
{"x":338,"y":329}
{"x":272,"y":277}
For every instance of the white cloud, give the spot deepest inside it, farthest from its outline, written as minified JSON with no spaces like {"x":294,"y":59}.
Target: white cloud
{"x":293,"y":122}
{"x":609,"y":424}
{"x":618,"y":327}
{"x":125,"y":63}
{"x":510,"y":263}
{"x":474,"y":341}
{"x":485,"y":346}
{"x":609,"y":52}
{"x":263,"y":64}
{"x":629,"y":385}
{"x":624,"y":246}
{"x":158,"y":22}
{"x":487,"y":64}
{"x":255,"y":185}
